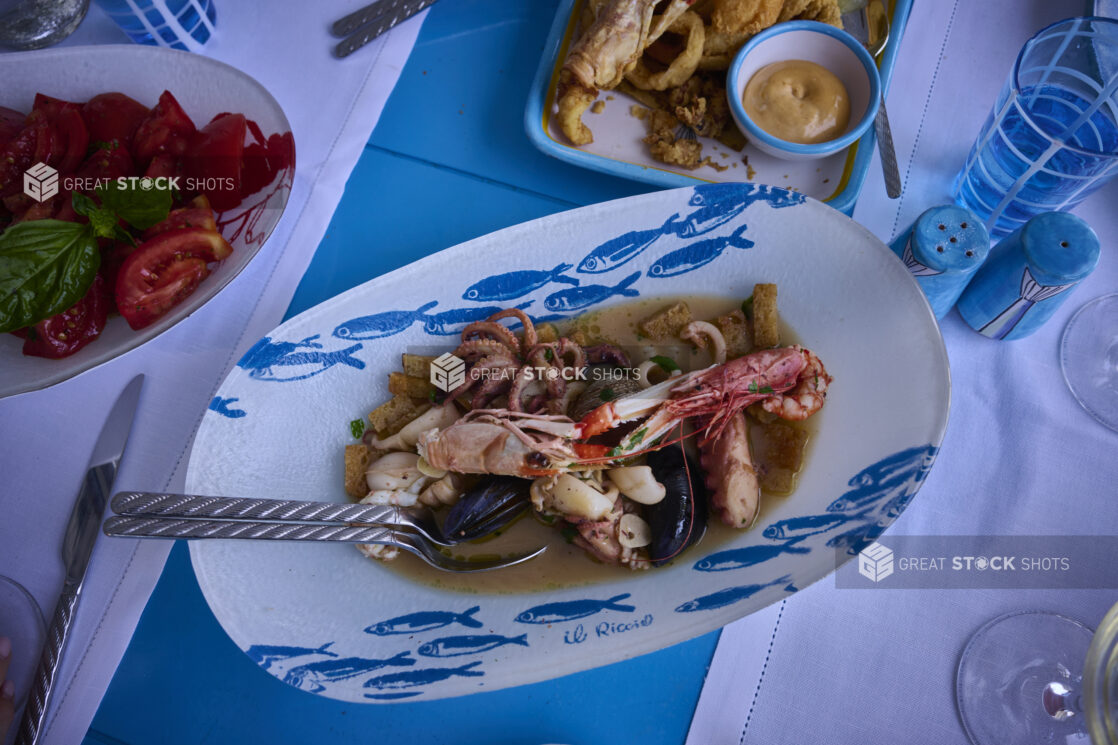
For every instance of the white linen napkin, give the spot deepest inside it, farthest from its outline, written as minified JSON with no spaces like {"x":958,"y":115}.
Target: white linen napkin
{"x":1020,"y":456}
{"x":46,"y":437}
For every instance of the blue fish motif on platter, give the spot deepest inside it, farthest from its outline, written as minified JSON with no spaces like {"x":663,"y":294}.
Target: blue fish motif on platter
{"x":224,"y":406}
{"x":452,"y":322}
{"x":425,"y":621}
{"x":577,"y":298}
{"x":902,"y":471}
{"x":853,"y":541}
{"x":569,"y":610}
{"x":729,"y":596}
{"x":265,"y":654}
{"x":511,"y":285}
{"x":800,"y":527}
{"x":314,"y":676}
{"x":414,"y":678}
{"x":739,"y":558}
{"x":616,"y":251}
{"x":697,"y":254}
{"x":380,"y":325}
{"x":393,"y":696}
{"x":455,"y":646}
{"x":285,"y":361}
{"x":719,"y":203}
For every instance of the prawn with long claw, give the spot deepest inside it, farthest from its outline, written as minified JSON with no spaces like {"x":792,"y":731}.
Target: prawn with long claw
{"x":790,"y":382}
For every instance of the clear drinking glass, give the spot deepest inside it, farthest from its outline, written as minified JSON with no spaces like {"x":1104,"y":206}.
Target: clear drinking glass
{"x":33,"y":24}
{"x":1052,"y":137}
{"x":22,"y":622}
{"x":178,"y":24}
{"x":1035,"y":677}
{"x":1089,"y":358}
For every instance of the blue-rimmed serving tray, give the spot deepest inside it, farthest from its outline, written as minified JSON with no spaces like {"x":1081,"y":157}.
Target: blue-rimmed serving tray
{"x":618,"y":149}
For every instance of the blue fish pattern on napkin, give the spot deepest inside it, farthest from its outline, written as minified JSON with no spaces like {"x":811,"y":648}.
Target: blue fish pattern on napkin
{"x":265,"y":654}
{"x":425,"y":621}
{"x":456,"y":646}
{"x":314,"y":676}
{"x":697,"y":254}
{"x":569,"y":610}
{"x":577,"y":298}
{"x":511,"y":285}
{"x":729,"y":596}
{"x":414,"y":678}
{"x":380,"y":325}
{"x":285,"y":361}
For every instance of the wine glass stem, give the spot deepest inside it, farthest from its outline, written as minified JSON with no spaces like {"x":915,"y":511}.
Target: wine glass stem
{"x":1061,"y":702}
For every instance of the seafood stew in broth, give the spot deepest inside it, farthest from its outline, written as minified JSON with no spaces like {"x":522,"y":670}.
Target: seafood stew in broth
{"x":633,"y":432}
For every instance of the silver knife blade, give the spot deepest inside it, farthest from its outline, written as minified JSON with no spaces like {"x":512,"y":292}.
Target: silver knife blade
{"x":89,"y":508}
{"x":77,"y":546}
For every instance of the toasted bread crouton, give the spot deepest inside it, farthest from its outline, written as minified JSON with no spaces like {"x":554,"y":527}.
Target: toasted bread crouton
{"x":735,"y":330}
{"x":406,"y":385}
{"x":393,"y":414}
{"x":416,"y":365}
{"x":357,"y":459}
{"x":547,"y":333}
{"x":667,"y":323}
{"x":766,"y":321}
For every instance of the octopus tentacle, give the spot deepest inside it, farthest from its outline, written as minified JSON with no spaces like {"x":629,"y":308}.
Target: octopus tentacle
{"x":530,"y":337}
{"x":481,"y":330}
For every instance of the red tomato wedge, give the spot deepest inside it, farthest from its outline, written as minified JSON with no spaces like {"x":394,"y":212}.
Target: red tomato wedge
{"x":215,"y":160}
{"x":113,"y":117}
{"x":198,"y":214}
{"x":63,"y":334}
{"x":11,"y":122}
{"x":163,"y":271}
{"x":166,"y":129}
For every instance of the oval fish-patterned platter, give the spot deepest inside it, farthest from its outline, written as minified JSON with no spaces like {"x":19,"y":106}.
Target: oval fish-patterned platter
{"x":329,"y":621}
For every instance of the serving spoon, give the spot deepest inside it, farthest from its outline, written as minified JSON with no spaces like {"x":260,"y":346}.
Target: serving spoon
{"x":869,"y":24}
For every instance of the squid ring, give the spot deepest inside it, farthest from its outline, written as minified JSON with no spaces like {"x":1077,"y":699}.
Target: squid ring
{"x":683,"y":66}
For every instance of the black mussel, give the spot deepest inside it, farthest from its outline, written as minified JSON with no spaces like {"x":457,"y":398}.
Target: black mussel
{"x":491,"y":503}
{"x":607,"y":383}
{"x":680,"y":518}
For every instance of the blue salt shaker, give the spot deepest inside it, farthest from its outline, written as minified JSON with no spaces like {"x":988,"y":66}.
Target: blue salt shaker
{"x":1029,"y":275}
{"x":943,"y":249}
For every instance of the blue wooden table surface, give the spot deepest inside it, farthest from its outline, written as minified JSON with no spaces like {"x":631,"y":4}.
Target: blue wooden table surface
{"x":448,"y":161}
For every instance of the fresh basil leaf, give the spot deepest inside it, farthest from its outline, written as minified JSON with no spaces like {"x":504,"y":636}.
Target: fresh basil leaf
{"x":667,"y":363}
{"x":139,"y":207}
{"x":45,"y":267}
{"x":104,"y":222}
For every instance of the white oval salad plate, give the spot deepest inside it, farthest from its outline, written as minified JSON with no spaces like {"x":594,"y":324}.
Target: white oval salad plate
{"x":327,"y":620}
{"x":204,"y":87}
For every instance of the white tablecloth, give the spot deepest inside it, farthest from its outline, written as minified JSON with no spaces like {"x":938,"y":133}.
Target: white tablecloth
{"x":1020,"y":457}
{"x":46,"y":437}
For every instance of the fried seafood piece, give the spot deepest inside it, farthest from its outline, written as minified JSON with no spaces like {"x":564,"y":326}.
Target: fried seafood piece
{"x":681,"y":68}
{"x":744,"y":16}
{"x":665,"y":147}
{"x":700,"y":103}
{"x":824,"y":11}
{"x":607,"y":50}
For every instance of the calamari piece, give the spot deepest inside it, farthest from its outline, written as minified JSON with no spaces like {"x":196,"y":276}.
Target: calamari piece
{"x":744,"y":16}
{"x":735,"y":493}
{"x":682,"y":67}
{"x":719,"y":48}
{"x":607,"y":50}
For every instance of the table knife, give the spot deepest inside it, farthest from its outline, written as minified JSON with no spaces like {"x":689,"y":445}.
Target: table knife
{"x":77,"y":546}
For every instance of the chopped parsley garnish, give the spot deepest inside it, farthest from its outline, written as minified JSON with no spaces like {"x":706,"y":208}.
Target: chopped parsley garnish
{"x":607,"y":394}
{"x":357,"y":428}
{"x":752,"y":388}
{"x":667,"y":363}
{"x":747,"y":307}
{"x":569,"y":533}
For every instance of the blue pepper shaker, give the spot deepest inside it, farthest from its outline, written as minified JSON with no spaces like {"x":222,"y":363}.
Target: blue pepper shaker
{"x":1029,"y":275}
{"x":943,"y":249}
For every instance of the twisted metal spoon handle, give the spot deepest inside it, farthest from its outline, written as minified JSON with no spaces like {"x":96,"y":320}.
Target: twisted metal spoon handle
{"x":164,"y":527}
{"x":239,"y":508}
